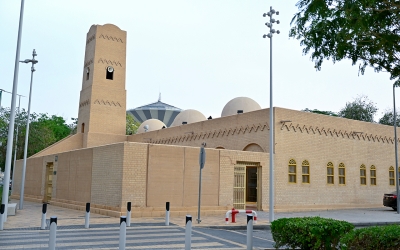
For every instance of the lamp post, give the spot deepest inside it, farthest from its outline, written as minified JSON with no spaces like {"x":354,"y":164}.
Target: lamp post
{"x":395,"y":148}
{"x":12,"y":117}
{"x":271,"y":114}
{"x":21,"y":197}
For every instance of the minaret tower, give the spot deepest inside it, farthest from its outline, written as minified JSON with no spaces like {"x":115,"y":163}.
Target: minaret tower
{"x":102,"y":103}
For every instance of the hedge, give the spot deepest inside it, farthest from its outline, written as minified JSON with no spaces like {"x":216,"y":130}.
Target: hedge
{"x":372,"y":238}
{"x":309,"y":232}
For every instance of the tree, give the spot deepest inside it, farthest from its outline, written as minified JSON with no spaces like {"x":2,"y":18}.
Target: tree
{"x":131,"y":125}
{"x":361,"y":109}
{"x":365,"y":31}
{"x":44,"y":131}
{"x":387,"y":118}
{"x":330,"y":113}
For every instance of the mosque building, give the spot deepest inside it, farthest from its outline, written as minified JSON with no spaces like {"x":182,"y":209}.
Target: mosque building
{"x":320,"y":162}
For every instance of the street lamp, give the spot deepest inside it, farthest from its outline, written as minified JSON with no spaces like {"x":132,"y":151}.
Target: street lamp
{"x":271,"y":114}
{"x":395,"y":148}
{"x":21,"y":197}
{"x":12,"y":117}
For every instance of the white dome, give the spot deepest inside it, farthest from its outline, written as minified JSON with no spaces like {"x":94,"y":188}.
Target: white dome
{"x":240,"y":103}
{"x":189,"y":116}
{"x":150,"y":125}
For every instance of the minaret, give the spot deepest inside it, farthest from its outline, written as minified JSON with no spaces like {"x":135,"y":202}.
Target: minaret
{"x":102,"y":103}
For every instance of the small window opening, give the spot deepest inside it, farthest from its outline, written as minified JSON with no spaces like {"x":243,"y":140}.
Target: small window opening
{"x":110,"y":73}
{"x":87,"y":73}
{"x":83,"y":128}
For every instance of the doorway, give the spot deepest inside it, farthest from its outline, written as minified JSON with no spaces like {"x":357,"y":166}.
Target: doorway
{"x":247,"y":186}
{"x":251,"y":188}
{"x":48,"y":186}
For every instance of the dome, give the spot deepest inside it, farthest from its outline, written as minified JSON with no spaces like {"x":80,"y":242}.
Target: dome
{"x":240,"y":103}
{"x":150,"y":125}
{"x":189,"y":116}
{"x":157,"y":110}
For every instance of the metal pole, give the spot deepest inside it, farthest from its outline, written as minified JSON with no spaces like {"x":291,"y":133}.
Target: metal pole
{"x":122,"y":233}
{"x":53,"y":233}
{"x":21,"y":197}
{"x":87,"y":215}
{"x":249,"y":232}
{"x":44,"y":211}
{"x":1,"y":92}
{"x":12,"y":115}
{"x":188,"y":233}
{"x":167,"y":213}
{"x":395,"y":148}
{"x":271,"y":135}
{"x":16,"y":136}
{"x":128,"y":213}
{"x":198,"y":209}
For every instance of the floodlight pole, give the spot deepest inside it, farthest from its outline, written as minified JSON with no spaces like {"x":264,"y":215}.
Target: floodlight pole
{"x":271,"y":114}
{"x":12,"y":117}
{"x":21,"y":197}
{"x":395,"y":148}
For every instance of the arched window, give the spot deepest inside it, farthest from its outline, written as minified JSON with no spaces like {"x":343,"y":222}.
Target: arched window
{"x":305,"y":171}
{"x":391,"y":176}
{"x":330,"y":173}
{"x":83,"y":128}
{"x":363,"y":175}
{"x":373,"y":175}
{"x":292,"y":171}
{"x":342,"y":174}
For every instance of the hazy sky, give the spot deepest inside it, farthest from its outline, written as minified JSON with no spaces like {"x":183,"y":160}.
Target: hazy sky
{"x":198,"y":54}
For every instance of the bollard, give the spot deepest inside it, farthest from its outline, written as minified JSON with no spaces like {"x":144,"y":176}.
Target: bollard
{"x":188,"y":232}
{"x":53,"y":231}
{"x":87,"y":215}
{"x":1,"y":216}
{"x":128,"y":214}
{"x":249,"y":232}
{"x":122,"y":233}
{"x":44,"y":211}
{"x":167,"y":213}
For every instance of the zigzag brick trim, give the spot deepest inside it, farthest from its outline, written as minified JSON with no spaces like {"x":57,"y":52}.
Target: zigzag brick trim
{"x":112,"y":38}
{"x":212,"y":134}
{"x":114,"y":63}
{"x":90,"y":39}
{"x":107,"y":102}
{"x":337,"y":133}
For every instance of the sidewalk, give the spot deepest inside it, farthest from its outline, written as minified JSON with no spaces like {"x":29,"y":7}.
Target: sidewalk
{"x":30,"y":217}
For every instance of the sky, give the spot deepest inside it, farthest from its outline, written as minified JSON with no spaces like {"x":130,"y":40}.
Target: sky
{"x":197,"y":54}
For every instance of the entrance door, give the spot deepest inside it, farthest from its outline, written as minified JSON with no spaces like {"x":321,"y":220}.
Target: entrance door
{"x":48,"y":186}
{"x":239,"y":187}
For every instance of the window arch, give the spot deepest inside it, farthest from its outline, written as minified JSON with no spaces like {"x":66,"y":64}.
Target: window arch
{"x":391,"y":176}
{"x":330,"y":173}
{"x":342,"y":174}
{"x":363,"y":175}
{"x":305,"y":171}
{"x":373,"y":175}
{"x":292,"y":171}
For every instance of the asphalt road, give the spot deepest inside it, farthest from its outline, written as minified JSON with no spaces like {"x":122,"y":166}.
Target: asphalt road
{"x":143,"y":236}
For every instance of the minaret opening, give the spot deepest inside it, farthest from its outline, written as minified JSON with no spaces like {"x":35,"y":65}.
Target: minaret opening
{"x":110,"y":73}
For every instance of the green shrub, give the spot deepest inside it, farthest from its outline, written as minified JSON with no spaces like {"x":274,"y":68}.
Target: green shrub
{"x":374,"y":238}
{"x":309,"y":232}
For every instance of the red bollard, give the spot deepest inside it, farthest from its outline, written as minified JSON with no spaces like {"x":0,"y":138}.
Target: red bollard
{"x":234,"y":212}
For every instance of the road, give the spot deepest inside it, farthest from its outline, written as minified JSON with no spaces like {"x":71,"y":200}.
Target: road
{"x":139,"y":236}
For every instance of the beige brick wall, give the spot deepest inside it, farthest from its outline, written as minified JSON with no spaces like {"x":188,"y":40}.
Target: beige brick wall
{"x":107,"y":175}
{"x":134,"y":176}
{"x":69,"y":143}
{"x":321,"y":139}
{"x":232,"y":132}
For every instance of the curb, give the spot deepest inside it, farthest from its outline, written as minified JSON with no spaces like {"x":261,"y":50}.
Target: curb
{"x":268,"y":226}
